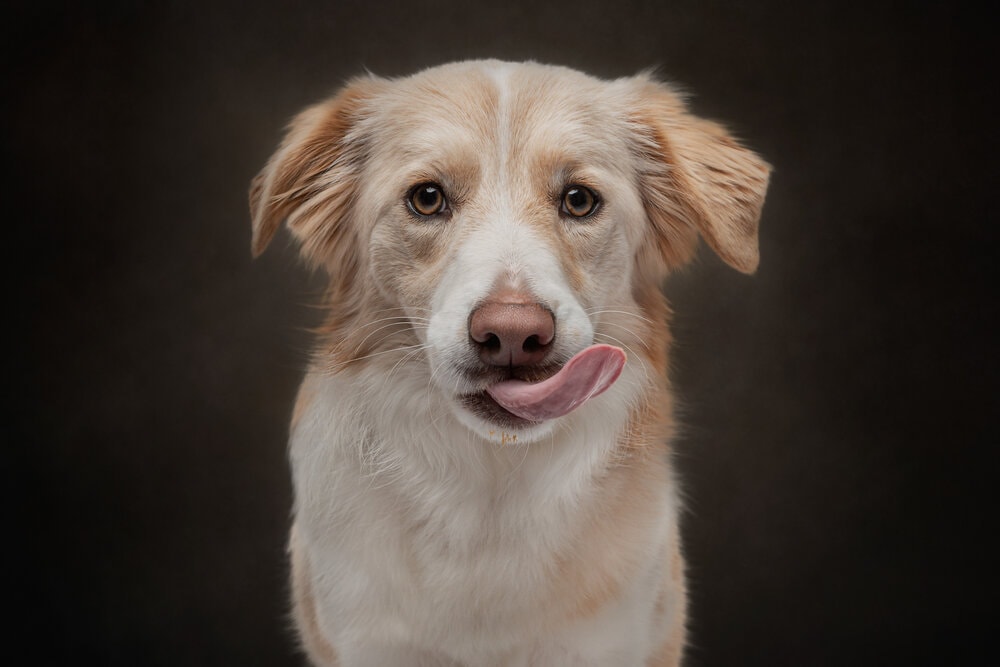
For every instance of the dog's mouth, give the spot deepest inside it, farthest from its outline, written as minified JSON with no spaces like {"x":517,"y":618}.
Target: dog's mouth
{"x":483,"y":406}
{"x":547,"y":392}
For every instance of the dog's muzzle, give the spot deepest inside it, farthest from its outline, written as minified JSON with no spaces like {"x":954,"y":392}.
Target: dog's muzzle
{"x":513,"y":331}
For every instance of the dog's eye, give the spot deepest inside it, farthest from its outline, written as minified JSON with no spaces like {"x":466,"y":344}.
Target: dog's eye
{"x":579,"y":201}
{"x":427,"y":199}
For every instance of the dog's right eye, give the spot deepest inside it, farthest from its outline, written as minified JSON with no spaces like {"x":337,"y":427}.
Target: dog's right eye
{"x":427,"y":199}
{"x":579,"y":201}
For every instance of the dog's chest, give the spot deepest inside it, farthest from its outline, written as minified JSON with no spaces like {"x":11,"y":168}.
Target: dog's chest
{"x":429,"y":542}
{"x":496,"y":548}
{"x":469,"y":571}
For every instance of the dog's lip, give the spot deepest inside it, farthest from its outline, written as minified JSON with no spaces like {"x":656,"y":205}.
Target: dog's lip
{"x":483,"y":405}
{"x":479,"y":402}
{"x":483,"y":377}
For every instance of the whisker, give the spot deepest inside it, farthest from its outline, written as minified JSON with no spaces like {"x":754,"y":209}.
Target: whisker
{"x":394,"y":308}
{"x":401,"y":318}
{"x":392,"y":321}
{"x":372,"y":333}
{"x":406,"y":357}
{"x":633,"y":353}
{"x":597,"y":311}
{"x":617,"y":340}
{"x":634,"y":334}
{"x":336,"y":367}
{"x":434,"y":371}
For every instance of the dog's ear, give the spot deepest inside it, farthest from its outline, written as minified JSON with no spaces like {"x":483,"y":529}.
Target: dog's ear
{"x":696,"y":176}
{"x":310,"y":181}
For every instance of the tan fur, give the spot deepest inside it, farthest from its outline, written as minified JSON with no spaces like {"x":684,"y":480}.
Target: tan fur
{"x":724,"y":183}
{"x":304,"y":610}
{"x":504,"y":142}
{"x":673,"y":593}
{"x":593,"y":570}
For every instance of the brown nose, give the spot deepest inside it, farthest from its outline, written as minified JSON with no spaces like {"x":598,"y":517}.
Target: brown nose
{"x":512,"y":332}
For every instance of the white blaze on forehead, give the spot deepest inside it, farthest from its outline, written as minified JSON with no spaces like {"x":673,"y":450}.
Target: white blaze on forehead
{"x":501,"y":76}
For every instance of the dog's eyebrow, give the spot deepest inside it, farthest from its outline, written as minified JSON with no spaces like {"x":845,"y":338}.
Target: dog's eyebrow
{"x":558,"y":170}
{"x":457,"y":176}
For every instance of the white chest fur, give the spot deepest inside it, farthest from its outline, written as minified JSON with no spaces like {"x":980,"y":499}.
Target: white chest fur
{"x":420,"y":534}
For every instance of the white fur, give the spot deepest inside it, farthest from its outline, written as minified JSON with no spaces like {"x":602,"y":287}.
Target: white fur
{"x":426,"y":534}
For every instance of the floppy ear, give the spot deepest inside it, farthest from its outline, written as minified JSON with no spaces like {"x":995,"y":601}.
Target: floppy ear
{"x":697,"y":177}
{"x":311,"y":180}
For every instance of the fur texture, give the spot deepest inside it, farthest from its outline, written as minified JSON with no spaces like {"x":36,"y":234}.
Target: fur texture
{"x":430,"y":531}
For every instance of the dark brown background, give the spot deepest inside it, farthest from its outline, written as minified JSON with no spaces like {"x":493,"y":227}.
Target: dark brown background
{"x":840,"y":404}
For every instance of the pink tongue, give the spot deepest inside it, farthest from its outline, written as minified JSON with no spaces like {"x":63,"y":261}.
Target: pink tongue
{"x":589,"y":373}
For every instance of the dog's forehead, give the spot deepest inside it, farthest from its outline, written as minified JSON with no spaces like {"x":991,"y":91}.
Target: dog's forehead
{"x":528,"y":112}
{"x":425,"y":108}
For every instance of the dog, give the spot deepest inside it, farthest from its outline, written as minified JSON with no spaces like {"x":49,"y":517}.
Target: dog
{"x":480,"y":449}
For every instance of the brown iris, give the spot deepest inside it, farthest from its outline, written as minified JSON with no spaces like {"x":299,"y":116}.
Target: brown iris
{"x":578,"y":201}
{"x":427,"y":199}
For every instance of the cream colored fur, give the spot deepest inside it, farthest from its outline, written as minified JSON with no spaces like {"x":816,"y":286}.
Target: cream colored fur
{"x":424,"y":533}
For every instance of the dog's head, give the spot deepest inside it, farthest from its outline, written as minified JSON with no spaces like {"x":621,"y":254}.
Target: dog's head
{"x":504,"y":228}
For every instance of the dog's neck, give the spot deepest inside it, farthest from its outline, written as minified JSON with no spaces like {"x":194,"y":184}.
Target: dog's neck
{"x":412,"y":438}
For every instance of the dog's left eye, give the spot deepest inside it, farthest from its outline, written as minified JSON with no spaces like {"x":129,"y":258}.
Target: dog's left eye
{"x":578,"y":201}
{"x":427,"y":199}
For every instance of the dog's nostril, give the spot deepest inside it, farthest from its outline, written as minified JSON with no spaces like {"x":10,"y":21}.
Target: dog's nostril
{"x":492,"y":342}
{"x":532,"y":344}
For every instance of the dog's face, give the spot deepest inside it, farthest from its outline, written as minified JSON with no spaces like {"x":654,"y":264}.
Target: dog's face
{"x":495,"y":224}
